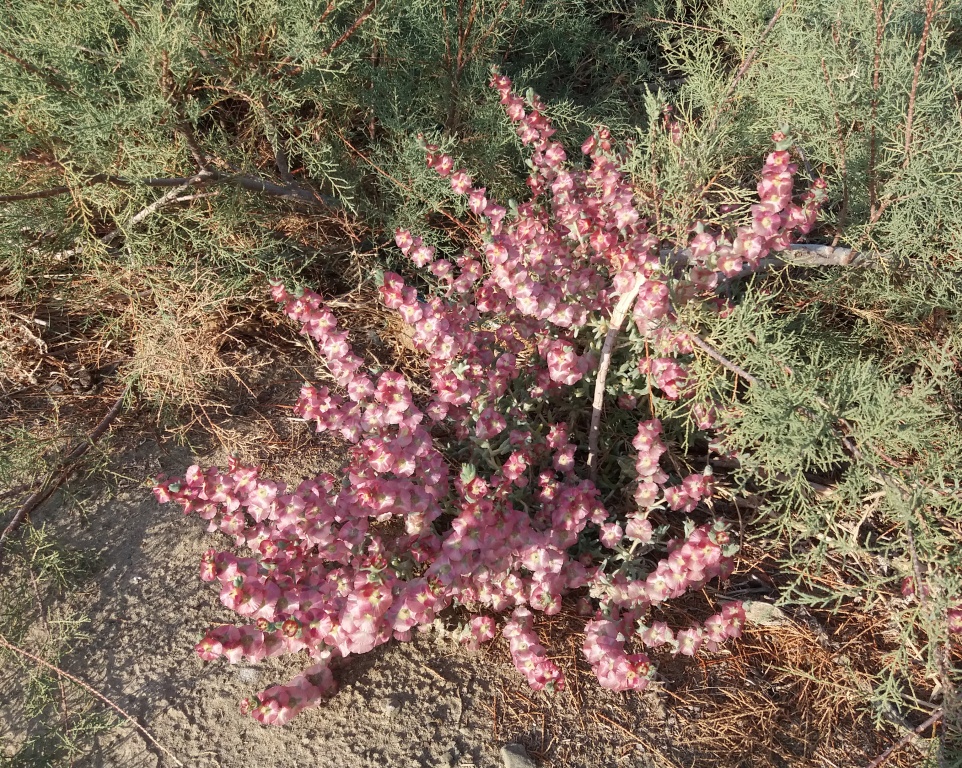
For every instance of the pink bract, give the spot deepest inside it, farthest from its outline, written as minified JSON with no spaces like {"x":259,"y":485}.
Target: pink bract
{"x":338,"y":570}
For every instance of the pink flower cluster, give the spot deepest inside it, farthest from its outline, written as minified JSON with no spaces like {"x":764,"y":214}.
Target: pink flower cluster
{"x":706,"y":554}
{"x":604,"y":648}
{"x":280,"y":703}
{"x":710,"y":634}
{"x":335,"y":569}
{"x":480,"y":630}
{"x":651,"y":479}
{"x":528,"y":655}
{"x":775,"y":220}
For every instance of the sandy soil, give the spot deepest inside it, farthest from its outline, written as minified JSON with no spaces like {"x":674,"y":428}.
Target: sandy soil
{"x":426,"y":703}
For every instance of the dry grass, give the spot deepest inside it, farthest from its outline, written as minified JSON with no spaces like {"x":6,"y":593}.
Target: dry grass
{"x":795,"y":693}
{"x":176,"y":351}
{"x":21,"y":350}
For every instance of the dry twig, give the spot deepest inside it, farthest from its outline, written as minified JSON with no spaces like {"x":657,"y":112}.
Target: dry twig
{"x":61,"y":673}
{"x":291,"y":192}
{"x":59,"y":475}
{"x":881,"y":759}
{"x":154,"y":206}
{"x":362,"y":17}
{"x":931,"y":8}
{"x":743,"y":69}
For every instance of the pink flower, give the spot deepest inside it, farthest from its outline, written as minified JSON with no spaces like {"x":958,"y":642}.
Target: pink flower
{"x":689,"y":641}
{"x":461,"y":182}
{"x":766,"y":221}
{"x":701,"y":246}
{"x":479,"y":630}
{"x":490,"y":424}
{"x":611,"y":535}
{"x":477,"y":202}
{"x":639,"y":529}
{"x":564,"y":364}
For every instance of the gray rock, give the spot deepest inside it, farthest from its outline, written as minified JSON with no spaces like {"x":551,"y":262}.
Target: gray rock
{"x":515,"y":756}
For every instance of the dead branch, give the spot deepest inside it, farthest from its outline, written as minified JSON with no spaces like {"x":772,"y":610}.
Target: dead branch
{"x":77,"y":681}
{"x":883,"y":758}
{"x":876,"y":79}
{"x":44,"y":75}
{"x":154,"y":206}
{"x":718,"y":357}
{"x":351,"y":30}
{"x":743,"y":69}
{"x":746,"y":65}
{"x":796,"y":255}
{"x":59,"y":475}
{"x":126,"y":14}
{"x":931,"y":8}
{"x":292,"y":192}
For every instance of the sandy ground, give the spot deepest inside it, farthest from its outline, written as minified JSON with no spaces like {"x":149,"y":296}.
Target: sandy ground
{"x":421,"y":704}
{"x":425,"y":704}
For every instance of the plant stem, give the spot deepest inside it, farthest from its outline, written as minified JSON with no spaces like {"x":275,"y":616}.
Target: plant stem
{"x":614,"y":328}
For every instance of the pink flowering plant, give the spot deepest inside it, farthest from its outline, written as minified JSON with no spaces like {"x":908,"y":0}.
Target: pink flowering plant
{"x":500,"y":491}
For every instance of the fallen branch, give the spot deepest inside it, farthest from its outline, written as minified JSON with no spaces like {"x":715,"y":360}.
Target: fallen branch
{"x":796,"y":255}
{"x":77,"y":681}
{"x":881,"y":759}
{"x":291,"y":192}
{"x":154,"y":206}
{"x":59,"y":475}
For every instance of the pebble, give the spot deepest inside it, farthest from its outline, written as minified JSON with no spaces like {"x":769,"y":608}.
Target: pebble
{"x":515,"y":756}
{"x":248,"y":674}
{"x":450,"y":758}
{"x":392,"y":706}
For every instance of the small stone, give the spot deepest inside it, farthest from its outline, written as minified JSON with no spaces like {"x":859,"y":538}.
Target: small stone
{"x":392,"y":706}
{"x":248,"y":674}
{"x":450,"y":758}
{"x":515,"y":756}
{"x":764,"y":614}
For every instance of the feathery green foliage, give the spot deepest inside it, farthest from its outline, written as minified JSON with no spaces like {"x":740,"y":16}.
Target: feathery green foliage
{"x":851,"y":437}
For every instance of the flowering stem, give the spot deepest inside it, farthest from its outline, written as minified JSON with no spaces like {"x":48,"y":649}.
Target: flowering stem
{"x":617,"y":318}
